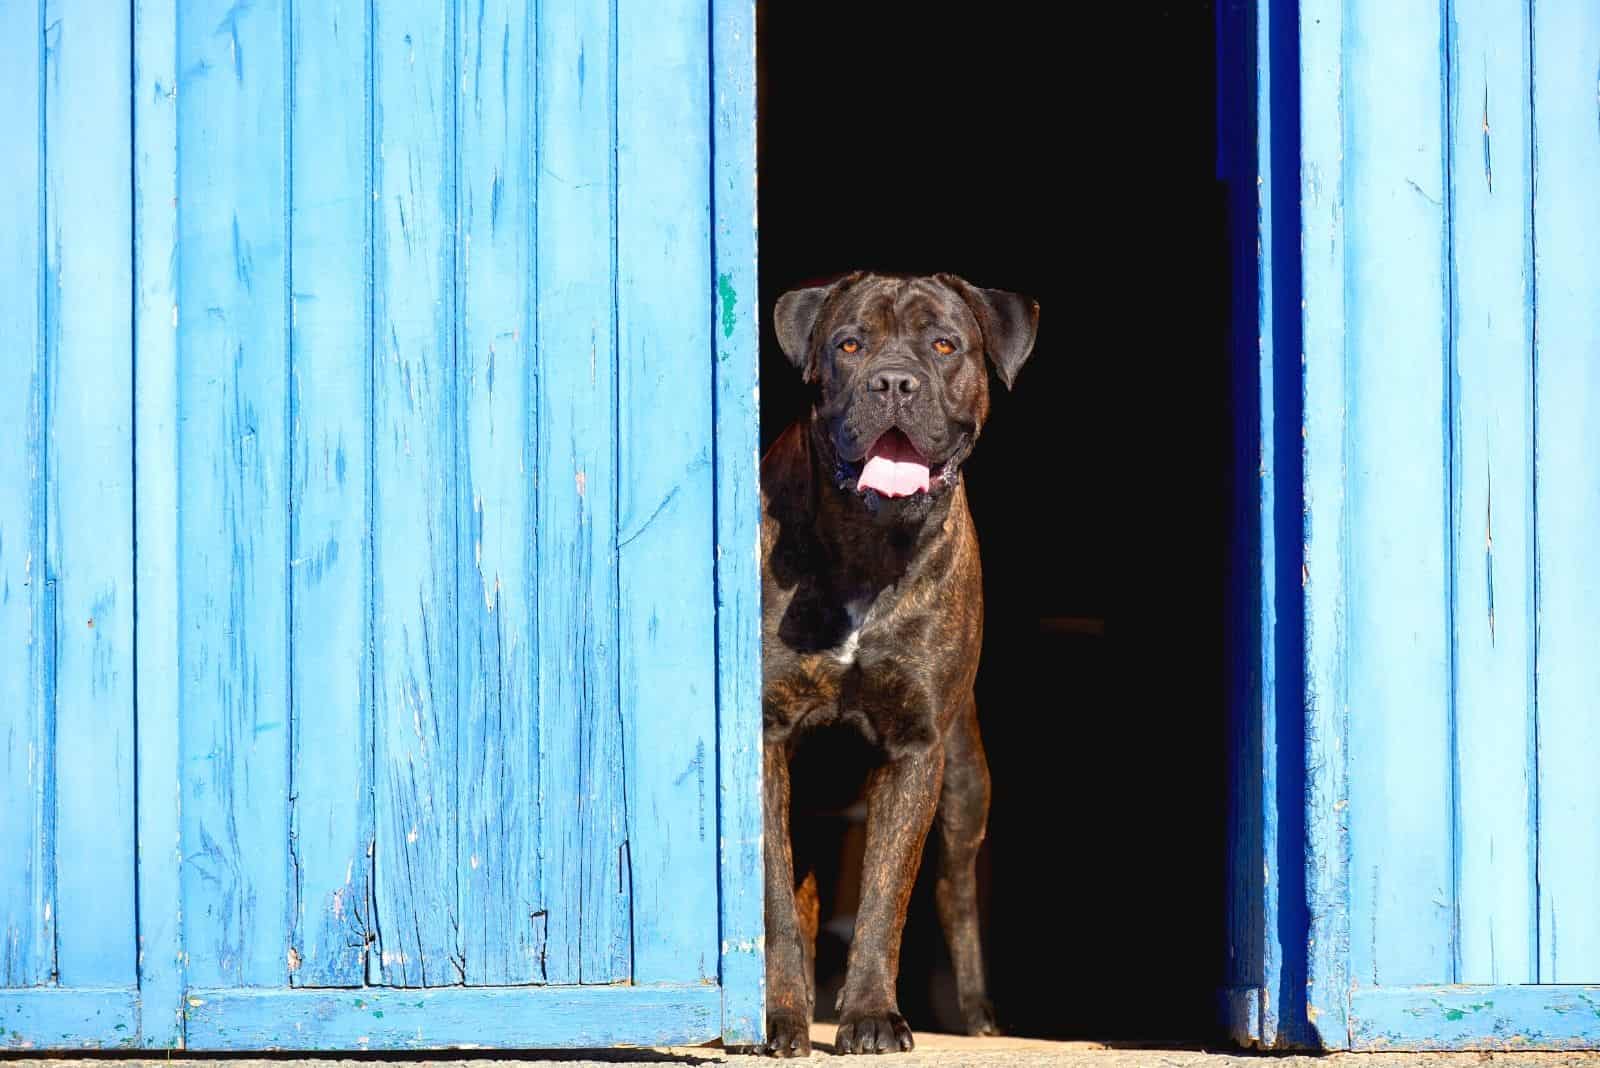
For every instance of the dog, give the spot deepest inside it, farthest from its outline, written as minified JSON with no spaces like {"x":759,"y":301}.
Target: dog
{"x":872,"y":619}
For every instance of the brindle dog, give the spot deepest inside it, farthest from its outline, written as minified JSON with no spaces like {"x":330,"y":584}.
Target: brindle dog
{"x":872,"y":617}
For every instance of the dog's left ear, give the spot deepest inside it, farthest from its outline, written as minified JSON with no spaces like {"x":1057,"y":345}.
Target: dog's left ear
{"x":794,"y":317}
{"x":1009,"y":322}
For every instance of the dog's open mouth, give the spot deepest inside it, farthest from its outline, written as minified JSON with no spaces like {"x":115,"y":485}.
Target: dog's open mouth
{"x":893,"y":467}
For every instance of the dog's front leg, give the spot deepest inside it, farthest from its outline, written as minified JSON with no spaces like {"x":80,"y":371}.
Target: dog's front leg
{"x":901,"y":797}
{"x":788,"y":1000}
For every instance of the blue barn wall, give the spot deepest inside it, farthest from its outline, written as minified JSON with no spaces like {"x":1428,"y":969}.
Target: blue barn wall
{"x":1414,"y":701}
{"x":380,"y":506}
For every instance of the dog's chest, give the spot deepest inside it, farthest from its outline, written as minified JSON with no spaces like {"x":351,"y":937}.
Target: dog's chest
{"x":856,"y":614}
{"x":808,"y":675}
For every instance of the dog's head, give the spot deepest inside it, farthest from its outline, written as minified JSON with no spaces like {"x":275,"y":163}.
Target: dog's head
{"x":900,"y":365}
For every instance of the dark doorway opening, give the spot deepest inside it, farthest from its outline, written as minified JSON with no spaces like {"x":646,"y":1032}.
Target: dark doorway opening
{"x":1068,"y":155}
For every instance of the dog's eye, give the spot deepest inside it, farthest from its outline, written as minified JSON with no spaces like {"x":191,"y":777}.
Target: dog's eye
{"x":849,"y":346}
{"x":944,"y":346}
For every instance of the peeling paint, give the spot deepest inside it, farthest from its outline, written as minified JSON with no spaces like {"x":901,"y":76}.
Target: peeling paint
{"x":729,"y":299}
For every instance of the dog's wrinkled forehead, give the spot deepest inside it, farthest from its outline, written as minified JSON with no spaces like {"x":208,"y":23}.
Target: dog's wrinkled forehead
{"x":887,"y":307}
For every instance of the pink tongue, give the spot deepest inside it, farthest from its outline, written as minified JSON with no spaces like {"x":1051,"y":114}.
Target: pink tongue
{"x":894,"y":468}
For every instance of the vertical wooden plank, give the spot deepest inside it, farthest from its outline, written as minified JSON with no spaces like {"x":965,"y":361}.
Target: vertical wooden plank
{"x":1288,"y":1010}
{"x":330,"y":208}
{"x":414,"y":513}
{"x":27,"y":939}
{"x":1326,"y":549}
{"x":1259,"y":161}
{"x":503,"y":922}
{"x":233,"y":539}
{"x":668,"y":624}
{"x":1241,"y":68}
{"x":1566,"y":215}
{"x":1492,"y":471}
{"x":89,"y":480}
{"x":582,"y":831}
{"x":155,"y":417}
{"x":734,"y":450}
{"x":1402,"y":897}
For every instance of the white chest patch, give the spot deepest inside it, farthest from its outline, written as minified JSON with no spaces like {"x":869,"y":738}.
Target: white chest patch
{"x":846,"y":652}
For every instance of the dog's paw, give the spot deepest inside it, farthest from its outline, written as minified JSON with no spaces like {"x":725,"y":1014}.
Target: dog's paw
{"x":874,"y":1032}
{"x":978,"y":1018}
{"x":788,"y":1035}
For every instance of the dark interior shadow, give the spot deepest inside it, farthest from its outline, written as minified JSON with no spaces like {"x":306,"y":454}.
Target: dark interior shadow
{"x":1075,"y":164}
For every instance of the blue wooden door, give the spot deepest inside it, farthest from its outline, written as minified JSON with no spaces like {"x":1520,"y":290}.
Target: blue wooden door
{"x":68,"y":956}
{"x":380,"y":407}
{"x":1429,"y":378}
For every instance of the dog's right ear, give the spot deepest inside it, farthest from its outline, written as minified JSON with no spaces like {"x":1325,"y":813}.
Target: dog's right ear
{"x":795,"y":316}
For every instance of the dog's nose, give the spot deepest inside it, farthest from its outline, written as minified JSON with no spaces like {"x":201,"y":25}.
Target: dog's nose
{"x":895,"y":382}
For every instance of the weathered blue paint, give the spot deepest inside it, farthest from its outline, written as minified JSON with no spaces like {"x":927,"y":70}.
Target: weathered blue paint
{"x":582,"y":829}
{"x":410,"y":500}
{"x":156,"y":574}
{"x":233,"y":546}
{"x":27,"y":906}
{"x":87,"y":479}
{"x":497,"y":852}
{"x":1324,"y":553}
{"x":1395,"y":471}
{"x":45,"y":1018}
{"x":1444,"y":262}
{"x":1566,"y":368}
{"x":414,"y":532}
{"x":734,"y":448}
{"x":329,"y":237}
{"x":1491,"y":474}
{"x":668,"y":669}
{"x":1489,"y":1017}
{"x":503,"y":1018}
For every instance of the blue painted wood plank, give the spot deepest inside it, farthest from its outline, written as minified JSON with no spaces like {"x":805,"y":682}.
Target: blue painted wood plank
{"x":155,"y":418}
{"x":1499,"y":1017}
{"x":89,"y":480}
{"x":582,"y":828}
{"x":414,"y":511}
{"x":1325,"y":551}
{"x":1279,"y":1015}
{"x":1259,"y":164}
{"x":233,"y":539}
{"x":1492,"y":489}
{"x":503,"y":921}
{"x":330,"y":211}
{"x":736,"y":334}
{"x":504,"y":1018}
{"x":1399,"y":668}
{"x":1241,"y":68}
{"x":1566,"y":215}
{"x":27,"y":910}
{"x":51,"y":1018}
{"x":665,"y":308}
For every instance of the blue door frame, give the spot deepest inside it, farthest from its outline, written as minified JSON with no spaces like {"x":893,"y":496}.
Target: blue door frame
{"x":120,"y":922}
{"x":1416,"y":354}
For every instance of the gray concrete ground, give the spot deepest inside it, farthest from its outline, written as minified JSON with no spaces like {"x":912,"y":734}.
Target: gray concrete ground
{"x":933,"y":1051}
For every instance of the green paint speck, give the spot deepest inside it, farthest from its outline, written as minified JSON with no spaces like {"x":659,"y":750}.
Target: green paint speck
{"x":378,"y":1013}
{"x":120,"y":1027}
{"x":725,"y":291}
{"x":1461,"y":1013}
